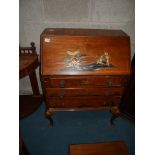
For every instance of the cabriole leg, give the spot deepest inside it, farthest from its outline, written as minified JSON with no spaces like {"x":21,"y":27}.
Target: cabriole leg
{"x":115,"y":113}
{"x":48,"y":114}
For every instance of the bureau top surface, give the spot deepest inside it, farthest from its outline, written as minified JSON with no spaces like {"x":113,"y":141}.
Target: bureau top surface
{"x":84,"y":52}
{"x":83,"y":32}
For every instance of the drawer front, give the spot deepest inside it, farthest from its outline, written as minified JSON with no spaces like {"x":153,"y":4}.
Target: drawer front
{"x":82,"y":92}
{"x":79,"y":102}
{"x":83,"y":82}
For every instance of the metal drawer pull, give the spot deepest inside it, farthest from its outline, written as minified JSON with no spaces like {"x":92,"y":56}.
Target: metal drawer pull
{"x":62,"y":83}
{"x":110,"y":83}
{"x":61,"y":95}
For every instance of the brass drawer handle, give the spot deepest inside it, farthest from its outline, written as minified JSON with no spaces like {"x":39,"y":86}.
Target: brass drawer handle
{"x":62,"y":83}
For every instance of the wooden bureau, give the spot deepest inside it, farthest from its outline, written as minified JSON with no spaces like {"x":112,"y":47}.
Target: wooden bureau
{"x":84,"y":69}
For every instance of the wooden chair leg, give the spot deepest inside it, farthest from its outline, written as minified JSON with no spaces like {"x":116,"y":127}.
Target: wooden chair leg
{"x":34,"y":83}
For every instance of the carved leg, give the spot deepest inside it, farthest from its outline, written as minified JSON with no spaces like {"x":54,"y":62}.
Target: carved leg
{"x":115,"y":113}
{"x":48,"y":115}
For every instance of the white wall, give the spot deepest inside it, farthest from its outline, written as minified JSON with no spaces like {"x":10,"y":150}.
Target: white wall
{"x":35,"y":15}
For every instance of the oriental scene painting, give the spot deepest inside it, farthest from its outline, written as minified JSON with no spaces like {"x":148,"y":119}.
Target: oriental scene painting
{"x":76,"y":61}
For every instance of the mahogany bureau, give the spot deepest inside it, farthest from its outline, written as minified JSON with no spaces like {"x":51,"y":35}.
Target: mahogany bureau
{"x":84,"y":69}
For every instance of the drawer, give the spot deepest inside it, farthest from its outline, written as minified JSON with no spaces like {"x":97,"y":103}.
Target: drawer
{"x":81,"y":92}
{"x":79,"y":102}
{"x":84,"y":81}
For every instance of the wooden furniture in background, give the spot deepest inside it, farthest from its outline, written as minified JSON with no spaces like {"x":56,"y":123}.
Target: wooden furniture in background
{"x":106,"y":148}
{"x":128,"y":101}
{"x":84,"y":69}
{"x":28,"y":62}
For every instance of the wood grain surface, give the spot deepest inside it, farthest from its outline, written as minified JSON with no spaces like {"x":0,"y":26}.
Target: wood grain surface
{"x":106,"y":148}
